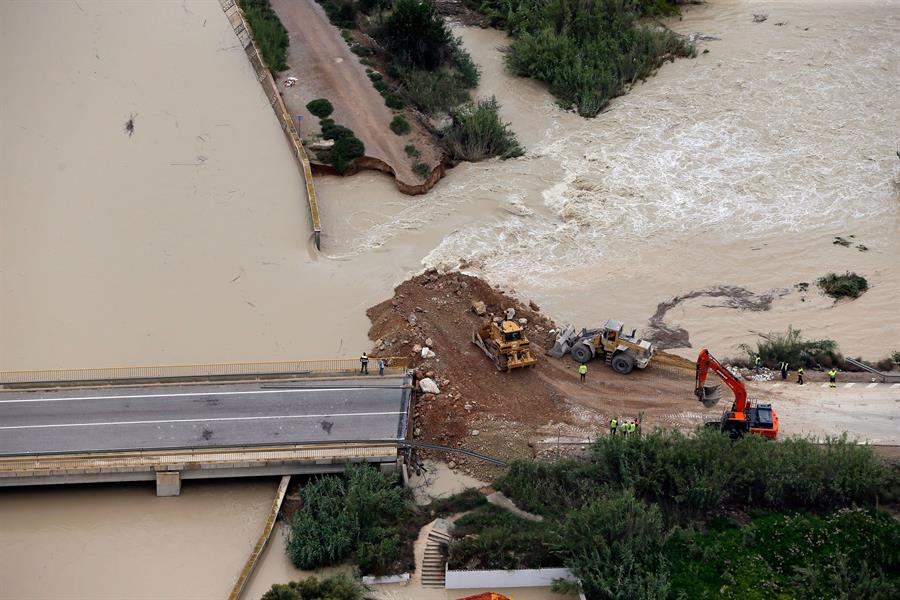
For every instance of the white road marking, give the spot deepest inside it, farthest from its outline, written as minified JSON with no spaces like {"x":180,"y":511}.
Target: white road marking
{"x":850,"y":385}
{"x":871,"y":385}
{"x":369,"y":414}
{"x":186,"y":394}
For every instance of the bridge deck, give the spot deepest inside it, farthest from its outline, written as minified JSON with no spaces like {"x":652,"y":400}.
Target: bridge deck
{"x":202,"y":416}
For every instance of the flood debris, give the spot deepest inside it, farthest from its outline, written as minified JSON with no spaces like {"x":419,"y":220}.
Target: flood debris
{"x":759,"y":18}
{"x":129,"y":124}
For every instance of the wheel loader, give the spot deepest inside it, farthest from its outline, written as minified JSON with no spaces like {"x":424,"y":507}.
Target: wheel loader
{"x":621,"y":351}
{"x":504,"y":342}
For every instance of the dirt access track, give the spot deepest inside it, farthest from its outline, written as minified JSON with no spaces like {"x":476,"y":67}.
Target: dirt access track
{"x":326,"y":68}
{"x":546,"y":410}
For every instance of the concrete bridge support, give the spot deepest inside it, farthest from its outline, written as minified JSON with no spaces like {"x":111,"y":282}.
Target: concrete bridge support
{"x":168,"y":483}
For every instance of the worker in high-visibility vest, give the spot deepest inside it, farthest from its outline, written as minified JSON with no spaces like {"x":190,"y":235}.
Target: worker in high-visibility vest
{"x":832,"y":377}
{"x":613,"y":425}
{"x":582,"y":370}
{"x":800,"y":376}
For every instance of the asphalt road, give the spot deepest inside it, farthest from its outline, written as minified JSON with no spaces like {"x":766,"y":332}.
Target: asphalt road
{"x":202,"y":415}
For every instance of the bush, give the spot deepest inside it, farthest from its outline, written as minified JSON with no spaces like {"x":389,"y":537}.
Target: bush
{"x":320,"y":108}
{"x":421,"y":169}
{"x":494,"y":538}
{"x":433,"y":92}
{"x":478,"y":133}
{"x":587,"y":52}
{"x":615,"y":548}
{"x":848,"y":285}
{"x":463,"y":501}
{"x":772,"y":349}
{"x":400,"y":125}
{"x":341,"y":13}
{"x":413,"y":152}
{"x":416,"y":35}
{"x":333,"y":587}
{"x":392,"y":101}
{"x":896,"y":357}
{"x":269,"y":34}
{"x":359,"y":518}
{"x":344,"y":151}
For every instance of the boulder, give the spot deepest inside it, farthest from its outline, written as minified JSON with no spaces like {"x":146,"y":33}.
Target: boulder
{"x":427,"y":352}
{"x":429,"y":342}
{"x":412,"y":319}
{"x":479,"y":308}
{"x":533,"y":306}
{"x":429,"y":386}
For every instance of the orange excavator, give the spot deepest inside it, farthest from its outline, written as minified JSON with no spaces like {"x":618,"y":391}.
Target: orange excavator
{"x":744,"y":416}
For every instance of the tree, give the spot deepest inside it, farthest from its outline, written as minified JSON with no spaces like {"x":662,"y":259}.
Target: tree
{"x":417,"y":35}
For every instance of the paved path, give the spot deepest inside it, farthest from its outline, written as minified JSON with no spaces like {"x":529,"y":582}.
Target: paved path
{"x":202,"y":415}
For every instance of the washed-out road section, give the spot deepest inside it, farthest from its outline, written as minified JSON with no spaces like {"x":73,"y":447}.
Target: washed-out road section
{"x":202,"y":416}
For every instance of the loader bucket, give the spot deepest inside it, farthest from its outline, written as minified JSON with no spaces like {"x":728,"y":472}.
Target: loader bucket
{"x":559,"y":349}
{"x":710,"y":396}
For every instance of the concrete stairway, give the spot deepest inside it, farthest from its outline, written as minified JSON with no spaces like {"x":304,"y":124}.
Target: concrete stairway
{"x":434,"y":564}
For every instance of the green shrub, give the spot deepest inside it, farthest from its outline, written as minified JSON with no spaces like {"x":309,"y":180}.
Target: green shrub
{"x":615,"y":547}
{"x":269,"y":34}
{"x":416,"y":34}
{"x":421,"y":169}
{"x":320,"y":108}
{"x":360,"y":518}
{"x":333,"y":587}
{"x":493,"y":538}
{"x":413,"y":152}
{"x":848,"y":285}
{"x":400,"y":125}
{"x":341,"y":13}
{"x":392,"y":101}
{"x":847,"y":554}
{"x":335,"y":132}
{"x":435,"y":91}
{"x":344,"y":151}
{"x":896,"y":357}
{"x":478,"y":133}
{"x":773,"y":348}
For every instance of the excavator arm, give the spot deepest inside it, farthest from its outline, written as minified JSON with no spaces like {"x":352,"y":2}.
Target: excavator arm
{"x":710,"y":395}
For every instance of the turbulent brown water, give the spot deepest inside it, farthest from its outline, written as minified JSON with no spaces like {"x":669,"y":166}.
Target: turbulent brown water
{"x":188,"y":241}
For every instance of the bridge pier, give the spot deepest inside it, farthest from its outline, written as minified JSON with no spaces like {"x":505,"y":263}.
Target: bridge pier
{"x":168,"y":483}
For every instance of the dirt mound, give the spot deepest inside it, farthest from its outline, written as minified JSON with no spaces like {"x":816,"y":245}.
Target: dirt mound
{"x":527,"y":412}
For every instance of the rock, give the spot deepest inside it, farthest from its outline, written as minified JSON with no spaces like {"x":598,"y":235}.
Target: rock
{"x":523,"y":321}
{"x":427,"y":353}
{"x":417,"y":349}
{"x":417,"y":432}
{"x":429,"y":342}
{"x":428,"y":386}
{"x":429,"y":374}
{"x":475,"y":432}
{"x":452,"y":464}
{"x":479,"y":308}
{"x":427,"y":397}
{"x":419,"y":309}
{"x":467,"y":406}
{"x":412,"y":319}
{"x":533,"y":306}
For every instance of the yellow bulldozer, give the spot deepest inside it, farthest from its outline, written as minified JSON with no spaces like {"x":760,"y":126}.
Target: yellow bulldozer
{"x":504,"y":342}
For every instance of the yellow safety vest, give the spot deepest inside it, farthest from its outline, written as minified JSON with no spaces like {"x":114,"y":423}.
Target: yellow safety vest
{"x":832,"y":373}
{"x":613,"y":424}
{"x":582,"y":369}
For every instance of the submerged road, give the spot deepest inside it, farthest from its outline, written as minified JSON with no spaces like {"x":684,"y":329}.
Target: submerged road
{"x":176,"y":416}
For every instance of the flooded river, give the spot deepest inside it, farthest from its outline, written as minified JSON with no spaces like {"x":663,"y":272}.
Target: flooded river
{"x":188,"y":241}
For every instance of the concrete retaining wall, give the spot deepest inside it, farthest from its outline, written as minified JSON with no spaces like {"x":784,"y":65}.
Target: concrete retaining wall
{"x":505,"y":579}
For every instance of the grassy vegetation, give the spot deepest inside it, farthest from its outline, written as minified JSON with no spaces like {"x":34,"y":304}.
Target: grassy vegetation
{"x":651,"y":517}
{"x":268,"y":32}
{"x":333,"y":587}
{"x":587,"y":52}
{"x":347,"y":146}
{"x":320,"y":108}
{"x":848,"y":285}
{"x":411,"y":151}
{"x":399,"y":125}
{"x":478,"y":133}
{"x":421,"y":169}
{"x":774,"y":348}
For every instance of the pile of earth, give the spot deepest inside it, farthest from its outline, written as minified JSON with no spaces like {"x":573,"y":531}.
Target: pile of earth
{"x":541,"y":411}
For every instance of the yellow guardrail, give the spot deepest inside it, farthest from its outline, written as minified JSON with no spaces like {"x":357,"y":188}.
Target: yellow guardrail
{"x":244,"y":34}
{"x":154,"y":372}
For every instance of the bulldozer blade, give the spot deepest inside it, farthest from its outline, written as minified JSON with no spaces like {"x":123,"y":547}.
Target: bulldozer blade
{"x":711,"y":395}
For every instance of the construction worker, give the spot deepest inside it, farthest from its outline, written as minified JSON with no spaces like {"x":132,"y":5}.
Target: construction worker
{"x":381,"y":365}
{"x":613,"y":424}
{"x":625,"y":428}
{"x":757,"y":363}
{"x":632,"y":427}
{"x":800,"y":375}
{"x":364,"y":364}
{"x":832,"y":377}
{"x":582,"y":370}
{"x":784,"y":370}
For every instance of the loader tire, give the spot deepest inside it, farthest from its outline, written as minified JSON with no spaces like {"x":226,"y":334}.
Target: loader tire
{"x":582,"y":353}
{"x":622,"y":364}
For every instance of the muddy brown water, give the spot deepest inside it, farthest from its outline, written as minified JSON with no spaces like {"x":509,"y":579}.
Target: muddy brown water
{"x":188,"y":241}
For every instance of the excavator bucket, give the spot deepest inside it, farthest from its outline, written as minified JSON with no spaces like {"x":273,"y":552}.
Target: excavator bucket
{"x":711,"y":395}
